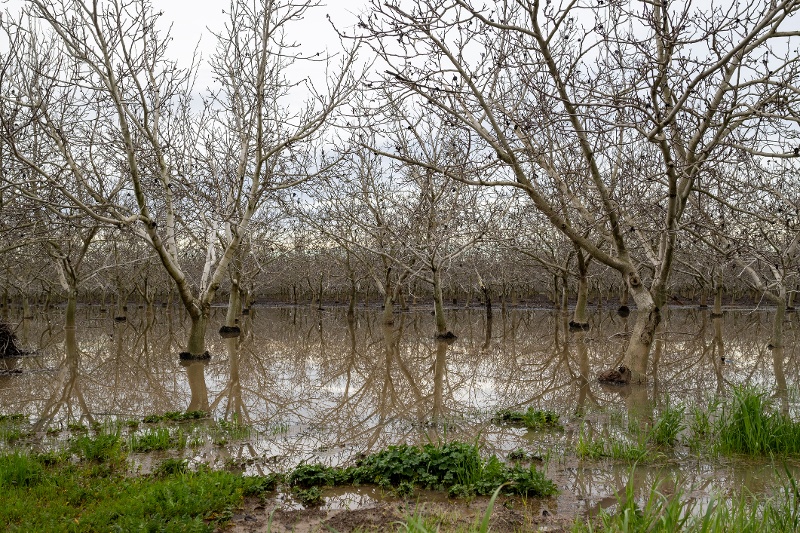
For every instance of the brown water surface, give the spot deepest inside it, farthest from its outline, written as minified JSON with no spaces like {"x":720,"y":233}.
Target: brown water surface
{"x":316,"y":388}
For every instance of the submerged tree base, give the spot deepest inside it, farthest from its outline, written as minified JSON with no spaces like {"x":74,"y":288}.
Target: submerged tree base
{"x":8,"y":342}
{"x":229,"y":332}
{"x":615,"y":376}
{"x":186,"y":356}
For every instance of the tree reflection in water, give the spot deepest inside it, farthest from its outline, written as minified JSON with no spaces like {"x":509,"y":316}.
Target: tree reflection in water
{"x":317,"y":387}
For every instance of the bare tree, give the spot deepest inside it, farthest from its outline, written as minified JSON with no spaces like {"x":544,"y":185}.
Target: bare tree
{"x":127,"y":130}
{"x":611,"y":109}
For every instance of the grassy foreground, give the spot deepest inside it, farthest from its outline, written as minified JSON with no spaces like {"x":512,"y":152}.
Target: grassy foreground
{"x":88,"y":486}
{"x":51,"y":493}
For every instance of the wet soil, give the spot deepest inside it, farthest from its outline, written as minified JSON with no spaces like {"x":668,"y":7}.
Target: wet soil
{"x":508,"y":515}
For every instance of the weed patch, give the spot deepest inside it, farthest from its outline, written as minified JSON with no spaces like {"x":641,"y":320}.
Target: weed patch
{"x":100,"y":448}
{"x":531,"y":419}
{"x":455,"y":467}
{"x":175,"y":416}
{"x":157,"y":439}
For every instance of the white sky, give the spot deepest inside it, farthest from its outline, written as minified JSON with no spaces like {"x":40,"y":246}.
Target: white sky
{"x":191,"y":20}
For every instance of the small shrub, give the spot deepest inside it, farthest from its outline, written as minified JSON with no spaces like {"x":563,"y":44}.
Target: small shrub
{"x":456,"y":467}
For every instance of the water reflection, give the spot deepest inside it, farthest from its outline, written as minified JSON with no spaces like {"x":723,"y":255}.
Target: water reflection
{"x":317,"y":386}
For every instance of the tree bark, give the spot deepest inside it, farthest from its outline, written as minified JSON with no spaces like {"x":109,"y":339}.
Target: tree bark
{"x":579,"y":316}
{"x":196,"y":344}
{"x":438,"y":303}
{"x":776,"y":340}
{"x":72,"y":306}
{"x":648,"y":317}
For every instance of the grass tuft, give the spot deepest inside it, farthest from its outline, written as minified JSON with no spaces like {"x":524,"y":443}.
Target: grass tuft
{"x":531,"y":419}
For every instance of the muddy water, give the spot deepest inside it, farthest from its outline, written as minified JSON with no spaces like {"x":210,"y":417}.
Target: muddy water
{"x":316,"y":388}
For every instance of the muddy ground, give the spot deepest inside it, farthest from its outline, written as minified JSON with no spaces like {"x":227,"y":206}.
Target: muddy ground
{"x":510,"y":514}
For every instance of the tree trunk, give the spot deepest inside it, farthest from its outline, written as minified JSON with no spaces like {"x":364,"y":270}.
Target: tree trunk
{"x":438,"y":304}
{"x":72,"y":306}
{"x":703,"y":297}
{"x":319,"y":298}
{"x":648,"y":317}
{"x":388,"y":308}
{"x":717,"y":297}
{"x":196,"y":374}
{"x":579,"y":317}
{"x":351,"y":306}
{"x":234,"y":305}
{"x":196,"y":345}
{"x":624,"y":298}
{"x":439,"y":371}
{"x":776,"y":340}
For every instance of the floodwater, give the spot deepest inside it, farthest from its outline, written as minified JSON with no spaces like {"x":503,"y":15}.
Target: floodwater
{"x":315,"y":388}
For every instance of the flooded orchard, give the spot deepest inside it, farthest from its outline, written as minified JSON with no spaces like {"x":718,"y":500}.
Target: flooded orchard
{"x":309,"y":386}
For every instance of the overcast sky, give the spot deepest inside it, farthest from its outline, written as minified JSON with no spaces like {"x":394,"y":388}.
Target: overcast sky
{"x":191,"y":20}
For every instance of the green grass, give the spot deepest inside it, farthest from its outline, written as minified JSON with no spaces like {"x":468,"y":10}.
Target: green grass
{"x":749,"y":424}
{"x":531,"y":419}
{"x":666,"y":427}
{"x":175,"y":416}
{"x":157,"y":439}
{"x":420,"y":522}
{"x":633,"y":448}
{"x":232,"y":430}
{"x":101,"y":448}
{"x":13,"y":428}
{"x":456,"y":467}
{"x":660,"y":513}
{"x":48,"y":494}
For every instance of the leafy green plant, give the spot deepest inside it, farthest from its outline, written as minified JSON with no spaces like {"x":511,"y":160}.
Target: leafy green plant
{"x":531,"y":419}
{"x":310,"y":497}
{"x":259,"y":485}
{"x":455,"y":466}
